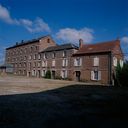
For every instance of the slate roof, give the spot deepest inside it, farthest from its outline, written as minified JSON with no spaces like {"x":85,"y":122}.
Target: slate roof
{"x":60,"y":47}
{"x":26,"y":42}
{"x":98,"y":47}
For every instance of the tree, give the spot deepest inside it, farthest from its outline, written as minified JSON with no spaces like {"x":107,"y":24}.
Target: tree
{"x":122,"y":74}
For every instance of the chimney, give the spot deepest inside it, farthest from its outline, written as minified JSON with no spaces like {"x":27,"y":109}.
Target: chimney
{"x":22,"y":41}
{"x":81,"y":42}
{"x":16,"y":43}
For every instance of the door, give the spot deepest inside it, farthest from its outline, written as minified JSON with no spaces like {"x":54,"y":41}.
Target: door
{"x":39,"y":73}
{"x":78,"y":75}
{"x":53,"y":74}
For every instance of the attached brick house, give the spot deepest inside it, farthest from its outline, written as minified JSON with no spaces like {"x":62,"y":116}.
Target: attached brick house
{"x":58,"y":60}
{"x":89,"y":62}
{"x":97,"y":62}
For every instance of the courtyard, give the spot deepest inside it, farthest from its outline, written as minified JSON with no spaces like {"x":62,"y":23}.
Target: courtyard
{"x":43,"y":103}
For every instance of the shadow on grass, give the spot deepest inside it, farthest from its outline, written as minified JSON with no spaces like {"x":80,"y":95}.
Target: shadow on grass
{"x":76,"y":106}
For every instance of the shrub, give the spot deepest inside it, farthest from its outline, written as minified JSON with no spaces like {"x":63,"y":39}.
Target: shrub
{"x":122,"y":74}
{"x":48,"y":74}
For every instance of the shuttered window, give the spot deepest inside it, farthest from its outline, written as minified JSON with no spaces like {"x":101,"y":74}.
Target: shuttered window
{"x":64,"y":74}
{"x":115,"y":61}
{"x":65,"y":62}
{"x":78,"y":62}
{"x":95,"y":75}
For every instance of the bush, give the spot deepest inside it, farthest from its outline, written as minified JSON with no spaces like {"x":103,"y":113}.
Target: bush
{"x":48,"y":74}
{"x":122,"y":74}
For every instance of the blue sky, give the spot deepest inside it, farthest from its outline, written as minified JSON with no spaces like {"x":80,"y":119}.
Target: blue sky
{"x":65,"y":20}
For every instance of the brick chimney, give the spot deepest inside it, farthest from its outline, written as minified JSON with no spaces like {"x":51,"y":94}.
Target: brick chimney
{"x":81,"y":42}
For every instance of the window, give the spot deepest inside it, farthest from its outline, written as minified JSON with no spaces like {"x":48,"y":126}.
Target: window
{"x":39,"y":56}
{"x":34,"y":64}
{"x":96,"y":61}
{"x":45,"y":56}
{"x":43,"y":73}
{"x":30,"y":57}
{"x":64,"y":53}
{"x":44,"y":63}
{"x":121,"y":63}
{"x":38,"y":64}
{"x":65,"y":62}
{"x":77,"y":61}
{"x":95,"y":75}
{"x":34,"y":57}
{"x":48,"y":40}
{"x":53,"y":55}
{"x":33,"y":72}
{"x":53,"y":63}
{"x":115,"y":61}
{"x":64,"y":74}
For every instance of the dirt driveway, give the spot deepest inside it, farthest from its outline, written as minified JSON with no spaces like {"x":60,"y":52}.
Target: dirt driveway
{"x":60,"y":104}
{"x":20,"y":84}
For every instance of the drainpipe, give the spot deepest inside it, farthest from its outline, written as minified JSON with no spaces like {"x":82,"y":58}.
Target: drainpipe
{"x":110,"y":68}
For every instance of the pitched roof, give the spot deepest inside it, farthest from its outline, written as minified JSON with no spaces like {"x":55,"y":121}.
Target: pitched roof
{"x":98,"y":47}
{"x":27,"y":42}
{"x":60,"y":47}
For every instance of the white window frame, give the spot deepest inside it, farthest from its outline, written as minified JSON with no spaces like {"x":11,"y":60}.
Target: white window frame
{"x":43,"y":73}
{"x":114,"y":61}
{"x":78,"y":62}
{"x":53,"y":63}
{"x":121,"y":63}
{"x":65,"y":62}
{"x":96,"y":61}
{"x":93,"y":75}
{"x":64,"y":74}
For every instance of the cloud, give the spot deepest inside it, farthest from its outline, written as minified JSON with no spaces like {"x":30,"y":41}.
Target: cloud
{"x":2,"y":55}
{"x":73,"y":35}
{"x":124,"y":39}
{"x":37,"y":25}
{"x":124,"y":45}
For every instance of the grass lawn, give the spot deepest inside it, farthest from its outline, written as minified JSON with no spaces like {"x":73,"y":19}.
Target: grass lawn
{"x":74,"y":106}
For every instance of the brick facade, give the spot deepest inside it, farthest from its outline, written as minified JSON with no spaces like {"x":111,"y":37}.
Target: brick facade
{"x":88,"y":63}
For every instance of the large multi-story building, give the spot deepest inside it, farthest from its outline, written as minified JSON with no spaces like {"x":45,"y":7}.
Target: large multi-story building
{"x":88,"y":62}
{"x":25,"y":56}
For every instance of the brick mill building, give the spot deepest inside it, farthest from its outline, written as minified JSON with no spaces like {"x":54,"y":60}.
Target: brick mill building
{"x":88,"y":62}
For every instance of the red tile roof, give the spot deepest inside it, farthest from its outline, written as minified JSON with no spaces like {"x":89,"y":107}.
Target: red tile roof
{"x":98,"y":47}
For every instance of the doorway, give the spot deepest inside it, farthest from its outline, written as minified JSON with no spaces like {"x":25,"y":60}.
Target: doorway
{"x":53,"y":74}
{"x":78,"y":73}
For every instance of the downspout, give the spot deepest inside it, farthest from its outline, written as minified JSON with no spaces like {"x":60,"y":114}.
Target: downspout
{"x":110,"y":69}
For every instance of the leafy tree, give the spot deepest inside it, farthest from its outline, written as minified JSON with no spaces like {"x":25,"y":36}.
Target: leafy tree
{"x":48,"y":74}
{"x":122,"y":74}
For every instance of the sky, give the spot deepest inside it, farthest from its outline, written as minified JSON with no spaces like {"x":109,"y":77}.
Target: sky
{"x":65,"y":20}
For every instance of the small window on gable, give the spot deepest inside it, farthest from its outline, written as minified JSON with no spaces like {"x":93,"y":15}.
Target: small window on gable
{"x":48,"y":40}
